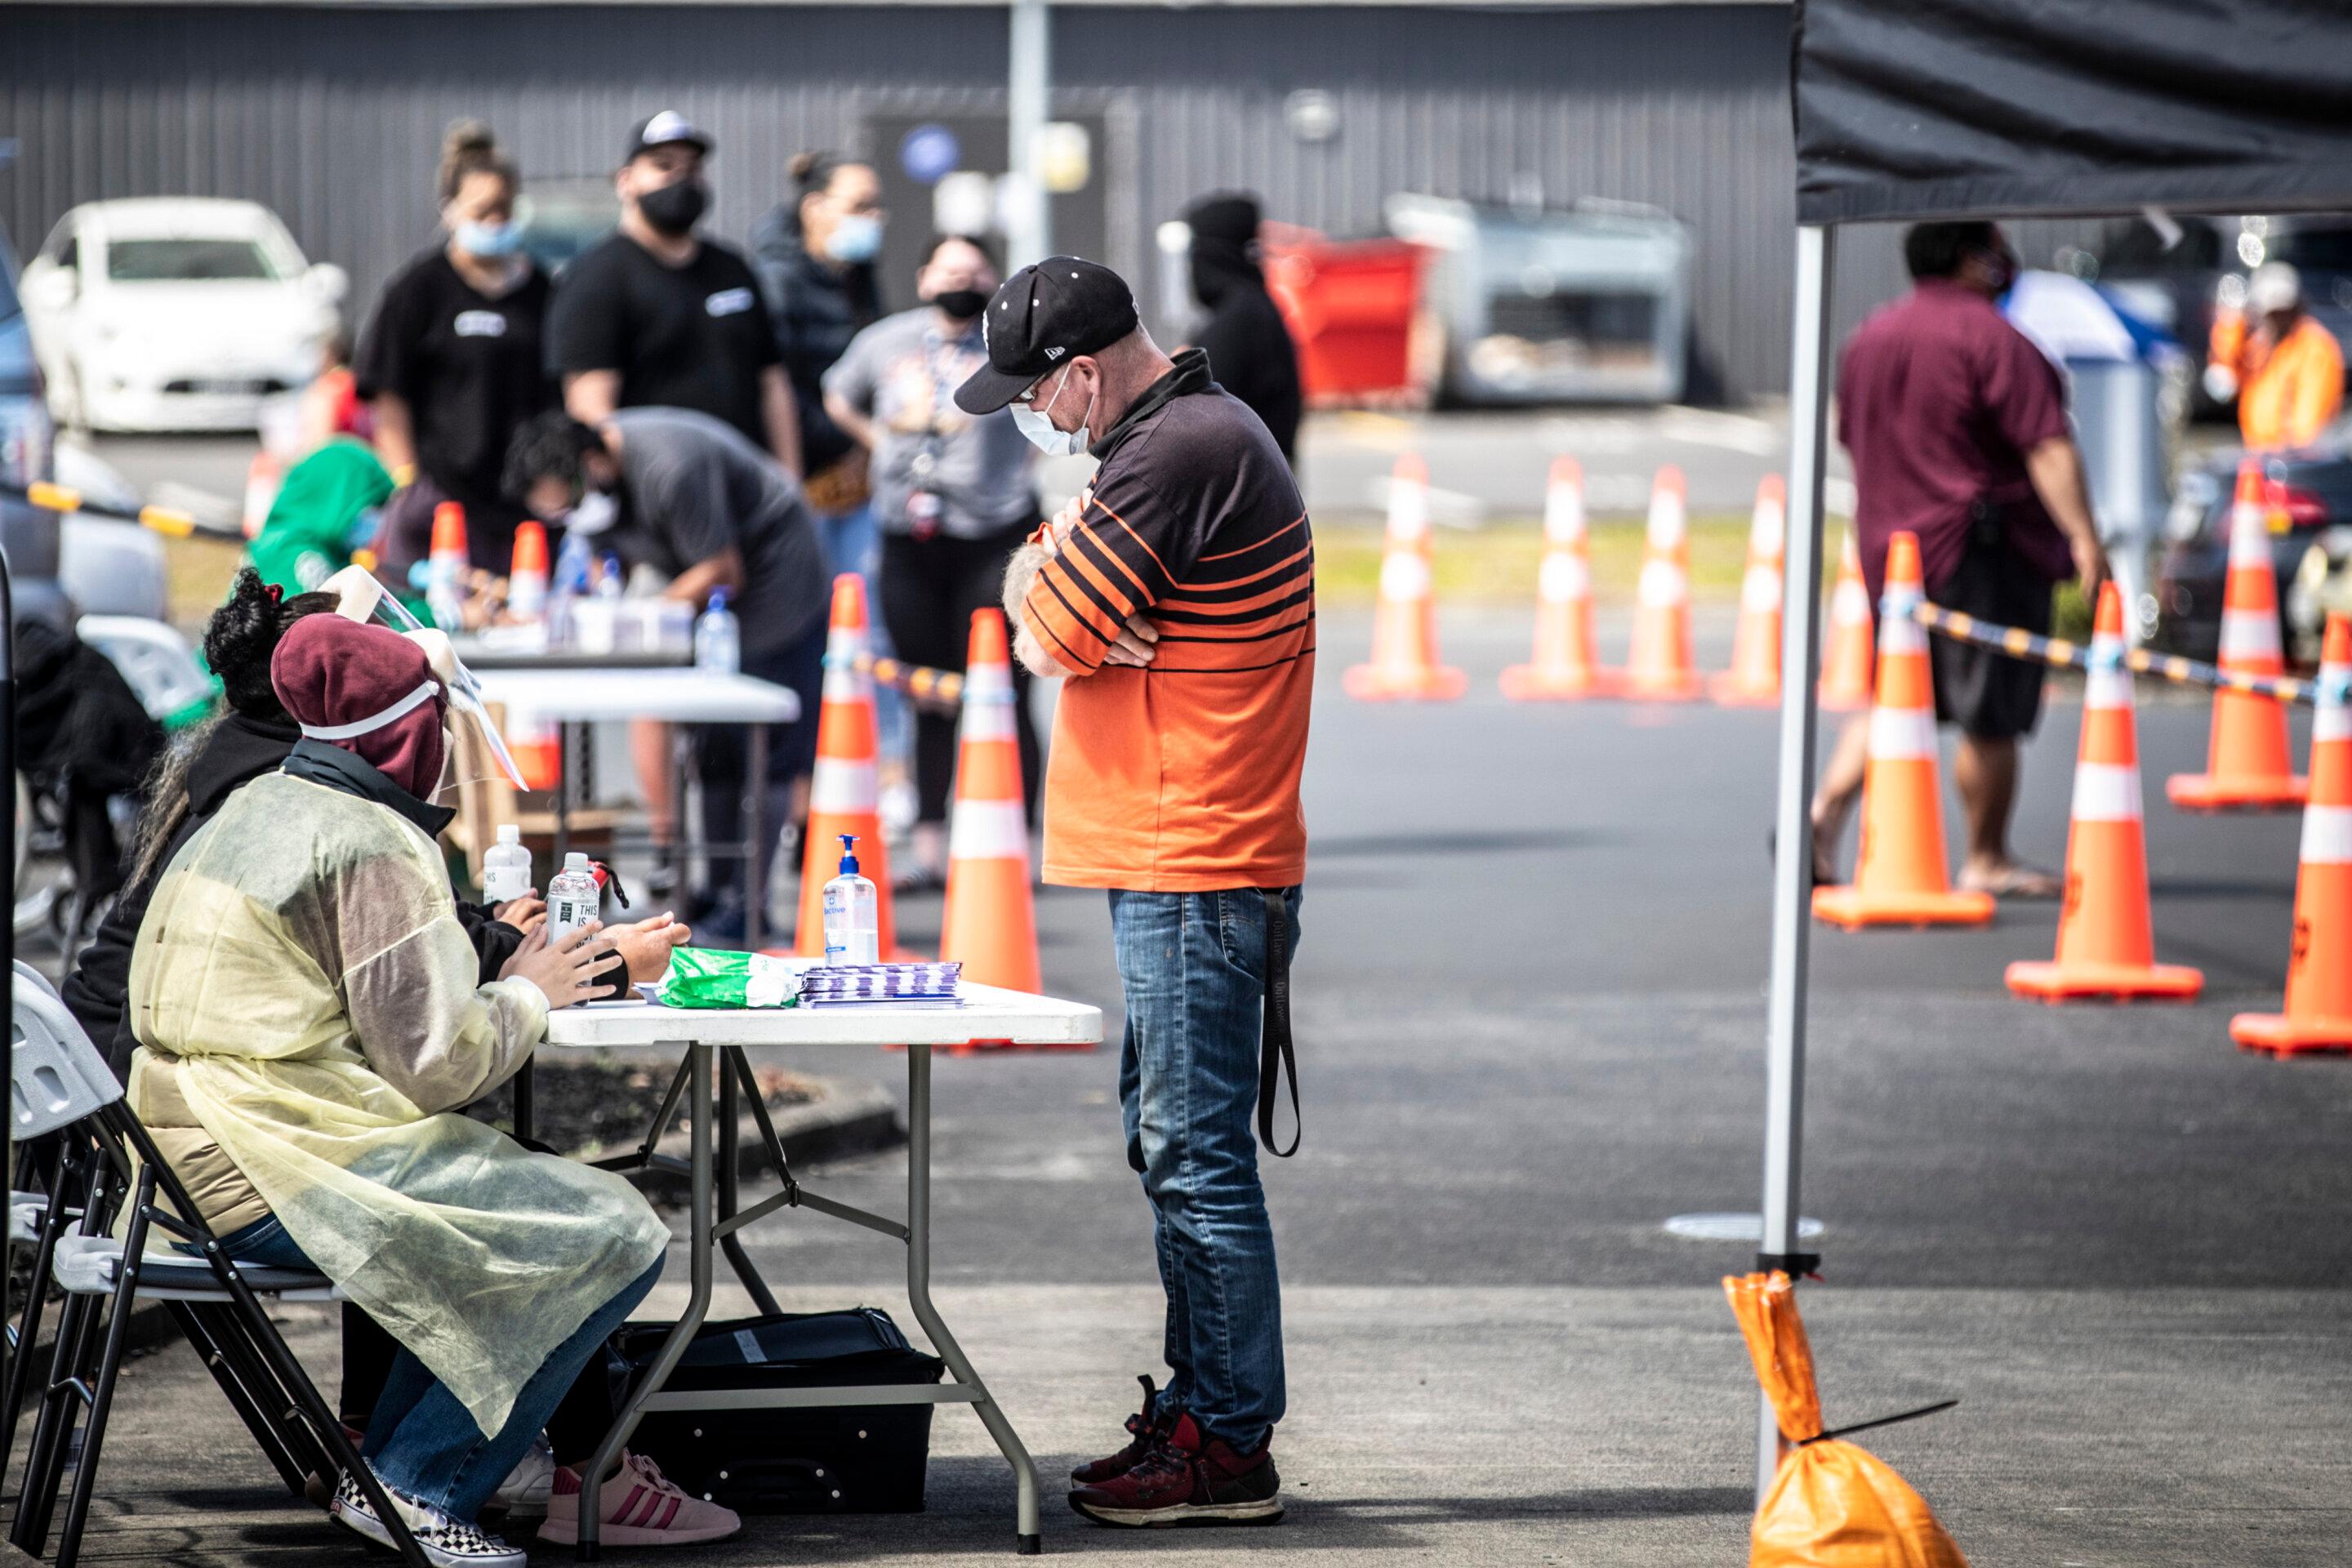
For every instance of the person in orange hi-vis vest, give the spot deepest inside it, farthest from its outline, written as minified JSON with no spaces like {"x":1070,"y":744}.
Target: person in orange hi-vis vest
{"x":2286,"y":370}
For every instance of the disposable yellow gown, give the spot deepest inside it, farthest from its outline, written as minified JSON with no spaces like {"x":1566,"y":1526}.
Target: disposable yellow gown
{"x":304,"y":993}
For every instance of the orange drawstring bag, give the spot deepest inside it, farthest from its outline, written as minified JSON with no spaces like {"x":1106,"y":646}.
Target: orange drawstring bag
{"x":1830,"y":1505}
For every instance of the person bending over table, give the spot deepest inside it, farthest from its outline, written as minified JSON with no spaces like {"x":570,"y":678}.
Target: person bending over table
{"x":310,"y":1014}
{"x":681,"y":493}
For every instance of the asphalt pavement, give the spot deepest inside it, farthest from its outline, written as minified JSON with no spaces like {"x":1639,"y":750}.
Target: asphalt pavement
{"x":1530,"y":1023}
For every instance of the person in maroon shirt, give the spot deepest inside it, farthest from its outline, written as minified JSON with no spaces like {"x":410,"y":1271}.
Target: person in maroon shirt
{"x":1957,"y":427}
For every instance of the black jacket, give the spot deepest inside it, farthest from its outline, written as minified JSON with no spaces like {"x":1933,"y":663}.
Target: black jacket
{"x":83,"y":732}
{"x":816,"y":312}
{"x":1249,"y":348}
{"x":238,"y":749}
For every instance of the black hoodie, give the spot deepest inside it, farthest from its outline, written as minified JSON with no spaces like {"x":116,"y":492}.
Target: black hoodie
{"x":239,"y":750}
{"x":1249,"y":348}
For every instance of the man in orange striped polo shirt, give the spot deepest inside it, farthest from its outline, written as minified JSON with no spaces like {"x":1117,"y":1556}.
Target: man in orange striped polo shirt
{"x":1176,"y":595}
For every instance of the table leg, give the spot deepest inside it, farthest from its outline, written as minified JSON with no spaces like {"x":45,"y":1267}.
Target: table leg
{"x":698,"y":1304}
{"x":565,"y":735}
{"x":674,"y":852}
{"x":730,"y":1125}
{"x":524,"y":1098}
{"x":759,"y":857}
{"x":1027,"y":1539}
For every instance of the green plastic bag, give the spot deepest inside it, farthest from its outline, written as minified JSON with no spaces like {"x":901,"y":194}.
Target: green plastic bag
{"x":711,"y":977}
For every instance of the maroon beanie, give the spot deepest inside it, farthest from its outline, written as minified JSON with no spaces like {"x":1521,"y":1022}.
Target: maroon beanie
{"x":330,"y":671}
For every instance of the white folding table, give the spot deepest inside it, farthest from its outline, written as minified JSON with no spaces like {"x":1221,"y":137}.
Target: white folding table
{"x":725,"y":1036}
{"x":571,"y":696}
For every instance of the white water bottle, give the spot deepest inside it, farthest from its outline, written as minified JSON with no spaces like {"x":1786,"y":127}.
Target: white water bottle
{"x":717,"y":640}
{"x":506,"y":867}
{"x":852,"y":926}
{"x":572,"y":899}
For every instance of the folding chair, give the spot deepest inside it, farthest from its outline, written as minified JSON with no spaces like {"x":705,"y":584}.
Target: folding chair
{"x":60,"y":1082}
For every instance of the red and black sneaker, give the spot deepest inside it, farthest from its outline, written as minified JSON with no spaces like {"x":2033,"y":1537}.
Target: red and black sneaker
{"x":1144,"y":1430}
{"x":1187,"y":1479}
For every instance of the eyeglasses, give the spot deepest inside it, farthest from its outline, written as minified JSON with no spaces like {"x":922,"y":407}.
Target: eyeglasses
{"x":1030,"y":396}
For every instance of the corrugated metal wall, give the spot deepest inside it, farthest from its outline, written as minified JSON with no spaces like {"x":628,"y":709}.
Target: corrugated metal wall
{"x":333,"y":116}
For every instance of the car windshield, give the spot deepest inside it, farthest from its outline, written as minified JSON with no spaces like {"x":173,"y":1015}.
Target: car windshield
{"x":186,"y":260}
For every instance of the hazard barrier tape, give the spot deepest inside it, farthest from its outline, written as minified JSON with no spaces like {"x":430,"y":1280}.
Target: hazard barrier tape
{"x":2018,"y":643}
{"x":940,"y":687}
{"x":164,"y":520}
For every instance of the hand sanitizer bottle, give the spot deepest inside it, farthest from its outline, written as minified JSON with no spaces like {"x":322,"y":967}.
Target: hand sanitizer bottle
{"x":573,"y":897}
{"x":506,"y":867}
{"x":852,"y":913}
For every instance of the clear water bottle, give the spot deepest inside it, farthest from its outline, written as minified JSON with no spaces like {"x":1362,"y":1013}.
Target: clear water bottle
{"x":572,"y":897}
{"x":506,"y":867}
{"x":853,"y":923}
{"x":575,"y":562}
{"x":717,"y":640}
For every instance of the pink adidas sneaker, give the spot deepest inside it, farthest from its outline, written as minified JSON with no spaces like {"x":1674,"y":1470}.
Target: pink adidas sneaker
{"x":638,"y":1506}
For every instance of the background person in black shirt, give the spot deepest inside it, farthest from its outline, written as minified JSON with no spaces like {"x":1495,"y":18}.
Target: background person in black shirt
{"x":454,"y":360}
{"x":1250,"y":351}
{"x":657,"y":316}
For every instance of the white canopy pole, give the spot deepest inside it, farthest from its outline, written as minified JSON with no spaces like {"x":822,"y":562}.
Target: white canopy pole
{"x":1029,"y":233}
{"x":1784,"y":1095}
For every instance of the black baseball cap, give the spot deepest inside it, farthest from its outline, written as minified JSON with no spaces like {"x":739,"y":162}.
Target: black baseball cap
{"x":1038,"y":318}
{"x":663,"y":129}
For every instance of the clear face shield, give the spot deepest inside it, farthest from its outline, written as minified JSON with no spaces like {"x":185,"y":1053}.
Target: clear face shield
{"x":477,"y":750}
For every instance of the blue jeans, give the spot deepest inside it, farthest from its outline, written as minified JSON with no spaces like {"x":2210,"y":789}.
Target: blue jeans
{"x":1194,"y":967}
{"x":421,"y":1441}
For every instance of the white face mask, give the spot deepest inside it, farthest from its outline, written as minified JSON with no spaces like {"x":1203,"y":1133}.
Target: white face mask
{"x":1037,"y":424}
{"x":595,"y":514}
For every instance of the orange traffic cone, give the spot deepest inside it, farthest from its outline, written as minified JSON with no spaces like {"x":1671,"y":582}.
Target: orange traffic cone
{"x":527,"y":577}
{"x":989,"y":922}
{"x":842,"y":797}
{"x":1846,"y":672}
{"x":1658,"y":665}
{"x":2248,"y":766}
{"x":262,"y":476}
{"x":1754,"y":678}
{"x":1900,"y":877}
{"x":1564,"y":667}
{"x":2318,"y":1015}
{"x":2104,"y":945}
{"x":1404,"y":627}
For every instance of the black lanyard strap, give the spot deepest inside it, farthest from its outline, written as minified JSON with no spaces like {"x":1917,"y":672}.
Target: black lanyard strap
{"x":1275,"y":1046}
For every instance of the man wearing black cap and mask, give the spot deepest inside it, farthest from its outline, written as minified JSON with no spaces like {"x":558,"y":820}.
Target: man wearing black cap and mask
{"x":657,"y":316}
{"x":1176,"y":595}
{"x":1249,"y":348}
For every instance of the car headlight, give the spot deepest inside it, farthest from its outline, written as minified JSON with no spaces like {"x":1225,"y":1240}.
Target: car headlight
{"x":26,"y":435}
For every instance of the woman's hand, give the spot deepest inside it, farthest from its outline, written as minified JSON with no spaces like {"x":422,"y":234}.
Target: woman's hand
{"x":526,"y":914}
{"x":564,"y":971}
{"x":646,"y":945}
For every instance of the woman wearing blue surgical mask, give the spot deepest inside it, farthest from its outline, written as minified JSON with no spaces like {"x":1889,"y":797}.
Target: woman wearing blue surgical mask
{"x":454,"y":361}
{"x":815,"y":254}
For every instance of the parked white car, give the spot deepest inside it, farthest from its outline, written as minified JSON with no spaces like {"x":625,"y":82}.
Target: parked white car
{"x":175,"y":314}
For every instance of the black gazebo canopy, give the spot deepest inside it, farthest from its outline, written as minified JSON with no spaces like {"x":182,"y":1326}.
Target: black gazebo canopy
{"x":1922,"y":109}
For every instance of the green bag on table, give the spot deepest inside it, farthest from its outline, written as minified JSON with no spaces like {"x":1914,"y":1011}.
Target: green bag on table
{"x":713,"y":977}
